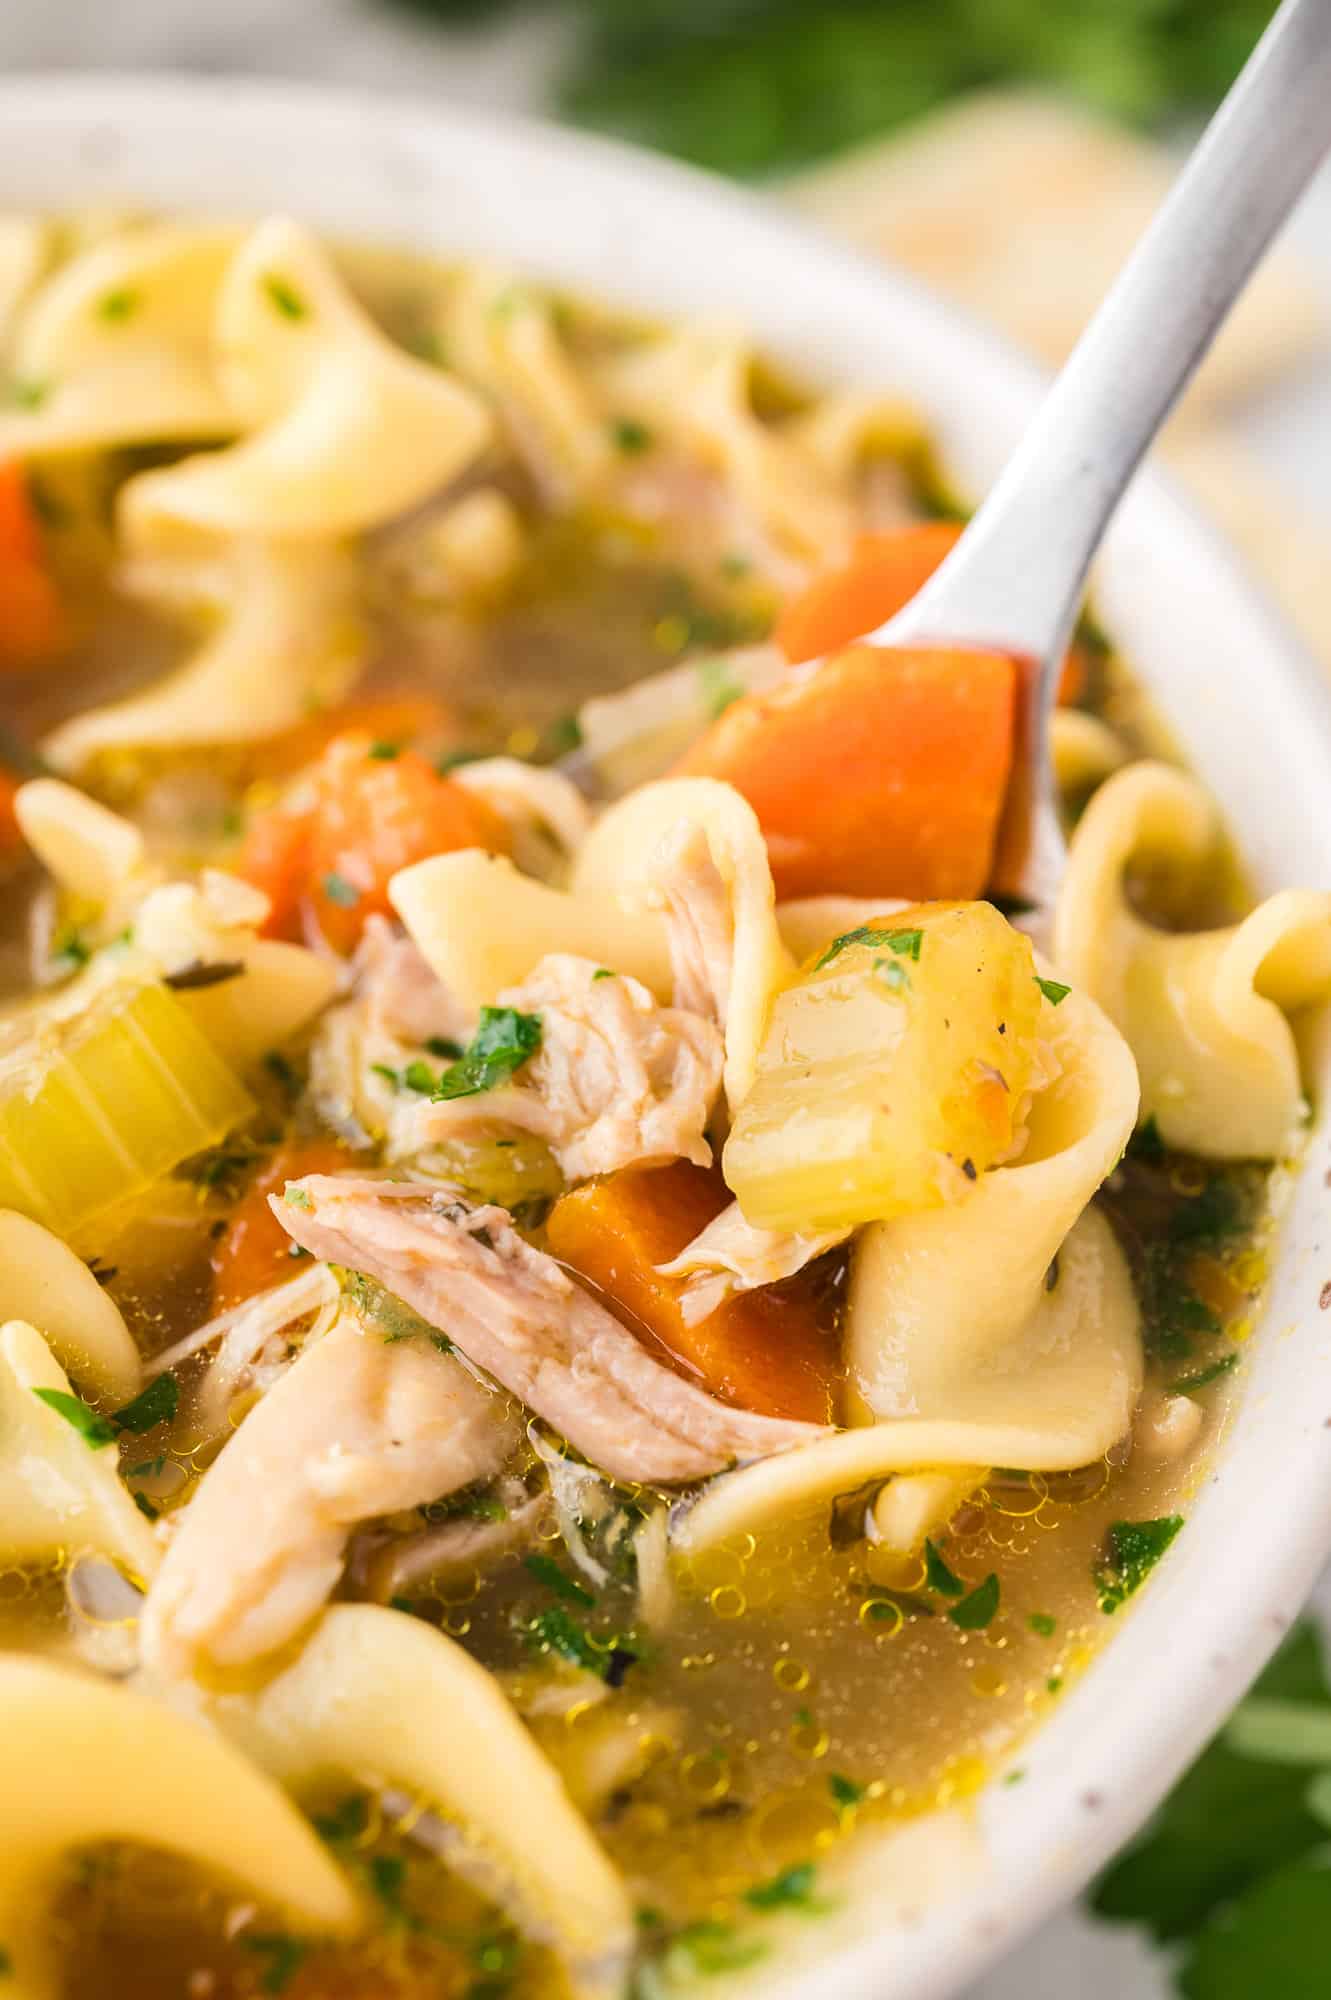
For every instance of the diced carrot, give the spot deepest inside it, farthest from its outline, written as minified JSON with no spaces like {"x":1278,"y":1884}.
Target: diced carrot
{"x":32,"y":622}
{"x":882,"y":774}
{"x":255,"y":1252}
{"x":771,"y":1350}
{"x":370,"y":815}
{"x":399,"y":719}
{"x":883,"y":573}
{"x":11,"y":839}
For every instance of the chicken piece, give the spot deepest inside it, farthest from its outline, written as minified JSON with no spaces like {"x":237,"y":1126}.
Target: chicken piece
{"x":618,"y":1081}
{"x":700,"y":921}
{"x":404,"y":1000}
{"x":517,"y":1314}
{"x":357,"y":1427}
{"x":734,"y":1255}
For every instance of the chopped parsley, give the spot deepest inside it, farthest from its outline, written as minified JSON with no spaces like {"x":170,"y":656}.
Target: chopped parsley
{"x":27,"y":392}
{"x":283,"y":1955}
{"x":602,"y":972}
{"x":444,"y":1047}
{"x":338,"y":890}
{"x":284,"y":296}
{"x":417,"y":1076}
{"x":199,"y":973}
{"x":938,"y":1576}
{"x":95,"y":1430}
{"x":348,"y":1820}
{"x":630,"y":436}
{"x":792,"y":1889}
{"x":282,"y":1072}
{"x":120,"y":304}
{"x":1135,"y":1547}
{"x":1041,"y":1622}
{"x":558,"y":1631}
{"x":503,"y":1042}
{"x":845,"y":1792}
{"x":976,"y":1610}
{"x":894,"y":974}
{"x":384,"y":753}
{"x":295,"y":1196}
{"x":1053,"y":989}
{"x":906,"y":944}
{"x":157,"y":1404}
{"x":564,"y":735}
{"x":717,"y":686}
{"x":145,"y":1506}
{"x":547,"y":1571}
{"x":1186,"y":1385}
{"x":710,"y":1947}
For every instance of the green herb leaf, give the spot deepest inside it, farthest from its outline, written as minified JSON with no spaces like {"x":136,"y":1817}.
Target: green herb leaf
{"x":145,"y":1505}
{"x":602,"y":972}
{"x":709,"y":1948}
{"x":937,"y":1574}
{"x":157,"y":1404}
{"x":295,"y":1196}
{"x":1041,"y":1622}
{"x":564,"y":735}
{"x":95,"y":1430}
{"x":120,"y":304}
{"x":26,"y":392}
{"x":792,"y":1889}
{"x":284,"y":296}
{"x":844,"y":1790}
{"x":906,"y":944}
{"x":1187,"y":1385}
{"x":338,"y":890}
{"x":384,"y":753}
{"x":1135,"y":1547}
{"x":503,"y":1042}
{"x":977,"y":1610}
{"x":284,"y":1955}
{"x":348,"y":1820}
{"x":630,"y":436}
{"x":1054,"y":991}
{"x":444,"y":1048}
{"x":548,"y":1572}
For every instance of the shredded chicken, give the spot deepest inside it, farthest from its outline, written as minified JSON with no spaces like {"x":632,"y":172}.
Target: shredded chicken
{"x":618,"y":1081}
{"x":518,"y":1315}
{"x":700,"y":921}
{"x":733,"y":1255}
{"x":357,"y":1427}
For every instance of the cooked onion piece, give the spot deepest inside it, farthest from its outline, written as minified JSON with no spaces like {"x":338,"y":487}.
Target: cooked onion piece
{"x":77,"y":1756}
{"x":1205,"y":1012}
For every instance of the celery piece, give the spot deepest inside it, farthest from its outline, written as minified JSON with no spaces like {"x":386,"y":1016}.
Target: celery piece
{"x":95,"y":1108}
{"x":893,"y":1072}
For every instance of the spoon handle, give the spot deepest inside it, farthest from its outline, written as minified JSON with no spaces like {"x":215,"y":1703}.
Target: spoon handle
{"x":1015,"y":579}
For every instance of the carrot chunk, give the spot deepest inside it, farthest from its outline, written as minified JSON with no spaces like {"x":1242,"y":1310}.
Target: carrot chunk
{"x":32,"y":622}
{"x":882,"y":774}
{"x":374,"y":809}
{"x":11,"y":838}
{"x":773,"y":1351}
{"x":255,"y":1252}
{"x":883,"y":573}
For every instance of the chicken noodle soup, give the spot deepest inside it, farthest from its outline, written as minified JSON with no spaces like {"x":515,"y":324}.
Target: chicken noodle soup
{"x":586,"y":1327}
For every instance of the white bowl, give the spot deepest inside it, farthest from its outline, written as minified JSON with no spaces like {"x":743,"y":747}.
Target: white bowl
{"x":1254,"y":714}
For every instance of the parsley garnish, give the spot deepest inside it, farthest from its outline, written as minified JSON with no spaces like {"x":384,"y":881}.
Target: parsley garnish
{"x":346,"y":1821}
{"x":95,"y":1430}
{"x":555,"y":1631}
{"x":602,"y":972}
{"x":548,"y":1572}
{"x":630,"y":436}
{"x":1041,"y":1622}
{"x":145,"y":1506}
{"x":844,"y":1790}
{"x":157,"y":1404}
{"x":1135,"y":1547}
{"x":295,"y":1196}
{"x":710,"y":1947}
{"x":446,"y":1049}
{"x":285,"y":1956}
{"x":120,"y":304}
{"x":1187,"y":1384}
{"x":1054,"y":991}
{"x":718,"y":686}
{"x":938,"y":1576}
{"x":417,"y":1076}
{"x":977,"y":1610}
{"x":199,"y":973}
{"x":338,"y":890}
{"x":384,"y":753}
{"x":282,"y":1072}
{"x":895,"y":976}
{"x":284,"y":296}
{"x":503,"y":1042}
{"x":564,"y":735}
{"x":906,"y":944}
{"x":27,"y":392}
{"x":792,"y":1889}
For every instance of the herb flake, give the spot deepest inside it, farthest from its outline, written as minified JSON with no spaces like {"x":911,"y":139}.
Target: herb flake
{"x":504,"y":1040}
{"x":976,"y":1610}
{"x":95,"y":1430}
{"x":906,"y":944}
{"x":1135,"y":1547}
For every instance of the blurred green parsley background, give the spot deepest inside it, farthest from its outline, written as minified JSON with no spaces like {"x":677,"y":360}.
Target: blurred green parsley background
{"x":758,"y":87}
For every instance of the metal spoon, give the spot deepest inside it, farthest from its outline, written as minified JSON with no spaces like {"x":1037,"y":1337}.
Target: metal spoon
{"x":1014,"y":581}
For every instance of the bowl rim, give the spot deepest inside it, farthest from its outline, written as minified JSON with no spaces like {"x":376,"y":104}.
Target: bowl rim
{"x":566,"y":204}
